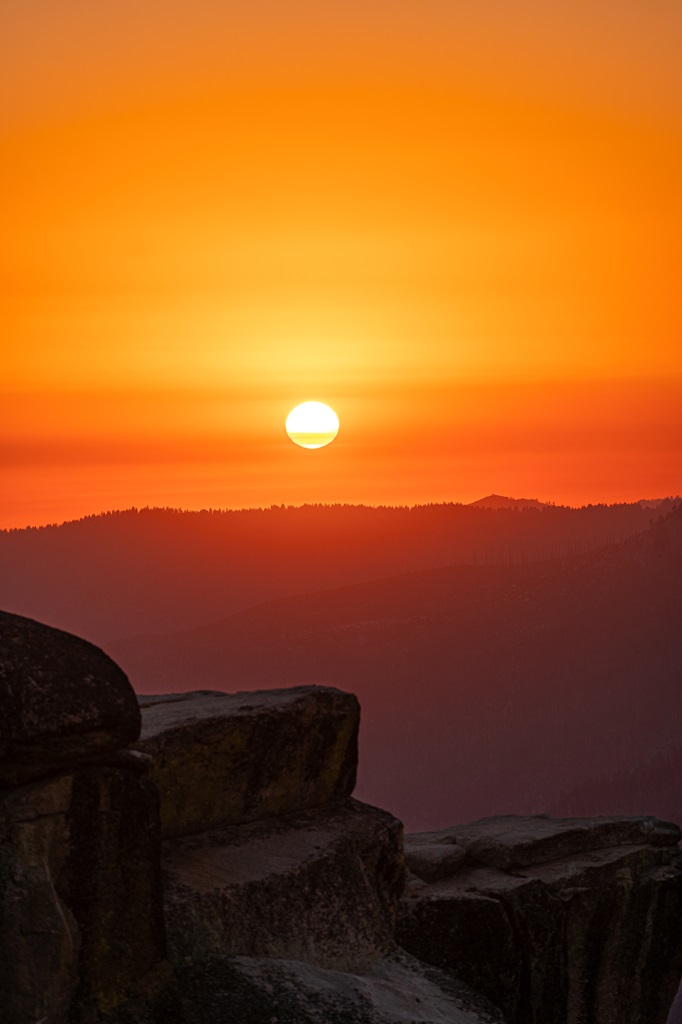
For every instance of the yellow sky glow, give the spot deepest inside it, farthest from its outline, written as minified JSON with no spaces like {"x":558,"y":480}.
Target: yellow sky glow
{"x":460,"y":224}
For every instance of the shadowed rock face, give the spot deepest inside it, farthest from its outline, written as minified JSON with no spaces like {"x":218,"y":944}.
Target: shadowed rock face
{"x":62,"y":701}
{"x":224,"y":759}
{"x":558,"y":921}
{"x":81,"y":919}
{"x":39,"y":936}
{"x":320,"y":886}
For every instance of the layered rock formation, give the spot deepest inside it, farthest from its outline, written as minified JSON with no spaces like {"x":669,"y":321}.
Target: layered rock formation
{"x":81,"y":915}
{"x":215,"y":868}
{"x":284,"y":904}
{"x":556,"y":920}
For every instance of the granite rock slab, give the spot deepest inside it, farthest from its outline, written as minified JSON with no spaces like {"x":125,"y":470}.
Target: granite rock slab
{"x":321,"y":886}
{"x":224,"y":759}
{"x":560,"y":921}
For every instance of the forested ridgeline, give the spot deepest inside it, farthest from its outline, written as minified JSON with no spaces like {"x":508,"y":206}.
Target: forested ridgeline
{"x":156,"y":570}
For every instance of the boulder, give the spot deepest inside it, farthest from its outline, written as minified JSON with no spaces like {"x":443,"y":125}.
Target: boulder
{"x":320,"y":886}
{"x":551,"y":930}
{"x":63,"y":701}
{"x":81,"y":925}
{"x":394,"y":990}
{"x":432,"y":858}
{"x":224,"y":759}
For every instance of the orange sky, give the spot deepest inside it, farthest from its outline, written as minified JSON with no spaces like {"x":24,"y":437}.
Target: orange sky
{"x":459,"y":224}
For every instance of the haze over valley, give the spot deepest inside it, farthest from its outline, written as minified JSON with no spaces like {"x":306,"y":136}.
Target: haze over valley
{"x":509,"y":657}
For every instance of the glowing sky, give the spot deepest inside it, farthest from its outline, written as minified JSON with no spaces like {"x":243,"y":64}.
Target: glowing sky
{"x":458,"y":224}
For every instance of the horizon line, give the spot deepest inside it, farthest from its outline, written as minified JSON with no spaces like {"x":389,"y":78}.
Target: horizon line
{"x":533,"y":505}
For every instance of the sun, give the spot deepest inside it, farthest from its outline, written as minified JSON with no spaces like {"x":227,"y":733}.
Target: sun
{"x":312,"y":425}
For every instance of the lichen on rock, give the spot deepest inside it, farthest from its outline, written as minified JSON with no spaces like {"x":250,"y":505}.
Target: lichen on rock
{"x":225,"y":759}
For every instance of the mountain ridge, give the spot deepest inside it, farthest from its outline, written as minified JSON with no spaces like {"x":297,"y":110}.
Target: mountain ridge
{"x":503,"y":501}
{"x":154,"y":570}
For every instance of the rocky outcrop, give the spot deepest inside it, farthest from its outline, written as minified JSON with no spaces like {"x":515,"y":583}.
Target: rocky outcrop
{"x":290,"y":916}
{"x":276,"y":897}
{"x":62,"y":701}
{"x":81,"y":919}
{"x":224,"y":759}
{"x":559,"y":921}
{"x":511,"y":841}
{"x":320,"y":886}
{"x":81,"y":914}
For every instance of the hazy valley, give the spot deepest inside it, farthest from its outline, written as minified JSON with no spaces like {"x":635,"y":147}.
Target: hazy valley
{"x":509,"y":660}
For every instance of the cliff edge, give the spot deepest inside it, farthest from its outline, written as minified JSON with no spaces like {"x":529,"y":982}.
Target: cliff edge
{"x":199,"y":858}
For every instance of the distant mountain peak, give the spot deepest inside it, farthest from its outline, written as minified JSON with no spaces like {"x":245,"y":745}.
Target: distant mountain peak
{"x":668,"y":502}
{"x":502,"y":501}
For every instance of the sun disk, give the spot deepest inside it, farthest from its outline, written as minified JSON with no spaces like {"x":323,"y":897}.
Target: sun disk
{"x":312,"y":425}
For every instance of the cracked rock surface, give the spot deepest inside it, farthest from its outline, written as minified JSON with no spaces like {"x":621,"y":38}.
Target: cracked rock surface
{"x":557,"y":921}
